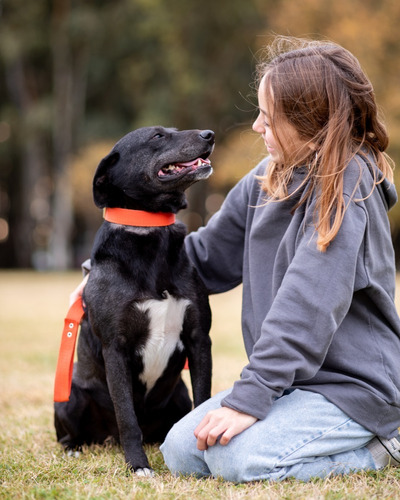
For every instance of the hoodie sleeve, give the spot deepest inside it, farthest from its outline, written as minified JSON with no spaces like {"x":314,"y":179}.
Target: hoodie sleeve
{"x":311,"y":302}
{"x":217,"y":249}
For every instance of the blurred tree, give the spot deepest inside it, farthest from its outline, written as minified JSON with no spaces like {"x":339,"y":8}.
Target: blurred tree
{"x":74,"y":73}
{"x":69,"y":57}
{"x":44,"y":70}
{"x":78,"y":72}
{"x":23,"y":153}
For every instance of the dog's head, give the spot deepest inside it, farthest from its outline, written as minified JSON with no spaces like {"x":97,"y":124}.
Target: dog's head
{"x":150,"y":168}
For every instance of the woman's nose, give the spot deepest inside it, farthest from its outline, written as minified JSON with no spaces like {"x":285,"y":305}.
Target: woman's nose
{"x":257,"y":125}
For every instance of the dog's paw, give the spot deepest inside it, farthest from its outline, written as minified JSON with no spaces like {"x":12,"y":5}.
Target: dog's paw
{"x":145,"y":472}
{"x":73,"y":453}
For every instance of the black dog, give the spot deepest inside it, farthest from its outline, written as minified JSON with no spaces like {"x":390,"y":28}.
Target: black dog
{"x":146,"y":308}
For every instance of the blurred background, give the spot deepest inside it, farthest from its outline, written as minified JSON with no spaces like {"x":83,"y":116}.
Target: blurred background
{"x":75,"y":76}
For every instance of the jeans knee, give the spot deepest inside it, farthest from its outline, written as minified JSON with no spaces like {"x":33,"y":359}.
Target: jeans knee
{"x":227,"y":465}
{"x":171,"y":451}
{"x":181,"y":455}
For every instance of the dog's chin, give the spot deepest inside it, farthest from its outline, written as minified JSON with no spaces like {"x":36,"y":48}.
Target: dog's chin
{"x":204,"y":173}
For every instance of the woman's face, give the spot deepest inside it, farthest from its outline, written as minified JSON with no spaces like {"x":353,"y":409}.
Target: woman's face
{"x":290,"y":145}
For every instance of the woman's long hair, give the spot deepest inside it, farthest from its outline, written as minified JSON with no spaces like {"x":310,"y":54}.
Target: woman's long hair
{"x":322,"y":91}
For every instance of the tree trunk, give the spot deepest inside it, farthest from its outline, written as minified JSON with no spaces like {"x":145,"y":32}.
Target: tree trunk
{"x":32,"y":167}
{"x":69,"y":80}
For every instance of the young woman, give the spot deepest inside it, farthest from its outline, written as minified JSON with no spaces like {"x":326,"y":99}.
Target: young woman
{"x":307,"y":234}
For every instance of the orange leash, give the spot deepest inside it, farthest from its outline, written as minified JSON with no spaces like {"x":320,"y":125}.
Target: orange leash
{"x":65,"y":364}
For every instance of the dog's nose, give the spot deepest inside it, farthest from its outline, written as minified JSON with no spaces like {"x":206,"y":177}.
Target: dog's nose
{"x":208,"y":135}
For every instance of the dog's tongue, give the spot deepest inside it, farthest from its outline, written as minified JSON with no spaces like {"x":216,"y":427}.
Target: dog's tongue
{"x":194,"y":163}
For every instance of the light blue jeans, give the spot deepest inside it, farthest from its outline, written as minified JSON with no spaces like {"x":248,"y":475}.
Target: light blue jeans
{"x":303,"y":436}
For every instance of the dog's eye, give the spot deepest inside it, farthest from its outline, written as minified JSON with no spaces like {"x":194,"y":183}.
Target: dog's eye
{"x":157,"y":136}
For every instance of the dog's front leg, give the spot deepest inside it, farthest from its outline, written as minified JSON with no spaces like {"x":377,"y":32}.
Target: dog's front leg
{"x":200,"y":366}
{"x":198,"y":348}
{"x":120,"y":387}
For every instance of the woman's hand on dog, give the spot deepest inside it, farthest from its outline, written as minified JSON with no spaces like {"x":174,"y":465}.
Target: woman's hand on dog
{"x":74,"y":296}
{"x":223,"y":422}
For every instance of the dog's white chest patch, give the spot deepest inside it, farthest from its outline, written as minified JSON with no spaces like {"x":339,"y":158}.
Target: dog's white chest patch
{"x":166,"y":320}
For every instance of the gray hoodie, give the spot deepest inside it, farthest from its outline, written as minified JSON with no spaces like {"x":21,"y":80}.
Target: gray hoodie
{"x":323,"y":322}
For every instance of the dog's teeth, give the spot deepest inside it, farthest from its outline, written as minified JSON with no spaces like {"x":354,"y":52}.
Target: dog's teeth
{"x":169,"y":168}
{"x":199,"y":163}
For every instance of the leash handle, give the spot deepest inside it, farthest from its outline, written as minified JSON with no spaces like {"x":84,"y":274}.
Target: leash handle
{"x":65,"y":363}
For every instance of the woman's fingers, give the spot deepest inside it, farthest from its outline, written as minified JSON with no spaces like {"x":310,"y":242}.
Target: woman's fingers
{"x":223,"y":423}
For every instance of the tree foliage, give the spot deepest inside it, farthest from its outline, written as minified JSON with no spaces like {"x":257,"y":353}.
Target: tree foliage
{"x":74,"y":75}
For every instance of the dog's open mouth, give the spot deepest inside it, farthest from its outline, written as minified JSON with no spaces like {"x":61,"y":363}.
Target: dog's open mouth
{"x":185,"y":167}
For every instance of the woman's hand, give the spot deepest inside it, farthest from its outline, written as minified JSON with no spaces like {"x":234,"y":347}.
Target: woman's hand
{"x":74,"y":296}
{"x":223,"y":422}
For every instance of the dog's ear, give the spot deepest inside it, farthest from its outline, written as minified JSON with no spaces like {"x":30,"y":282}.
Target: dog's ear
{"x":102,"y":188}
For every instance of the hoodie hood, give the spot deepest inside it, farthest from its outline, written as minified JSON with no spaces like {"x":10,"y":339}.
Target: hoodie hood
{"x":388,"y":193}
{"x":356,"y":180}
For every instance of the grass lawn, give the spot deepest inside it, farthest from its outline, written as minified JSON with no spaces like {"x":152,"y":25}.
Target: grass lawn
{"x":32,"y":464}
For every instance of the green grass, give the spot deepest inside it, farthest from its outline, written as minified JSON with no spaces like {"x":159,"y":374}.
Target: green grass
{"x":32,"y":464}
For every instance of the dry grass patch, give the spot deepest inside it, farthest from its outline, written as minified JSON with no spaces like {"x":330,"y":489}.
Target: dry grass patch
{"x":32,"y":465}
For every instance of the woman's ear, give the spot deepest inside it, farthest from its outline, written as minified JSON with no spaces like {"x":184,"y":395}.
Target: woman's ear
{"x":102,"y":187}
{"x":313,"y":146}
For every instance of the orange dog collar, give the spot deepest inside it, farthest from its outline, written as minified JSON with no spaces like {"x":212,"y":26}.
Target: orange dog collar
{"x":138,"y":218}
